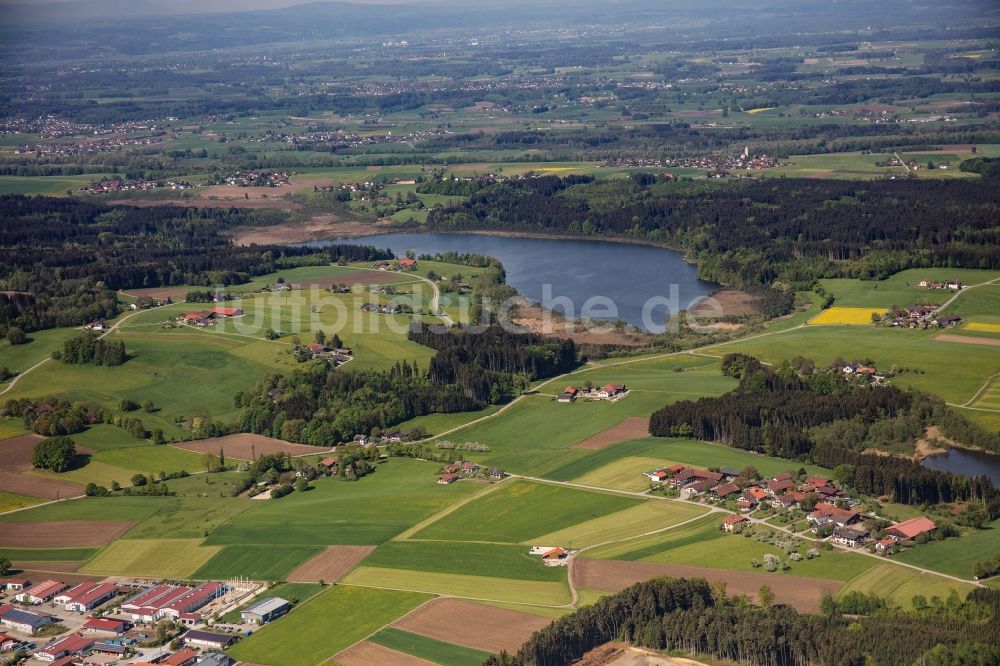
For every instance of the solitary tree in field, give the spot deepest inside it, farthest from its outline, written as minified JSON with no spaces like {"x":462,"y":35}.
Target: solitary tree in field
{"x":55,"y":454}
{"x":765,"y":596}
{"x":4,"y":566}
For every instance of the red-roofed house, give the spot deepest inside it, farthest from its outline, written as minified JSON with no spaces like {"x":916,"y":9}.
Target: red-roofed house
{"x":448,"y":478}
{"x":226,"y":312}
{"x":569,"y":395}
{"x":7,"y":643}
{"x":731,"y":522}
{"x":777,"y":487}
{"x":408,"y":264}
{"x":14,"y":583}
{"x":657,"y":475}
{"x":724,"y":490}
{"x":912,"y":528}
{"x":329,"y":463}
{"x":182,"y":657}
{"x":65,"y":646}
{"x":829,"y":513}
{"x":817,"y":481}
{"x":106,"y":625}
{"x":41,"y":592}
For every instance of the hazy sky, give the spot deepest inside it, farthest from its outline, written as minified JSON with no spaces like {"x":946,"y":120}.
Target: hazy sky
{"x":223,"y":5}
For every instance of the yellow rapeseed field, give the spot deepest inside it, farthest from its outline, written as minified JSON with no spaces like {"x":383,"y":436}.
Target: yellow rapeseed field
{"x":984,"y":327}
{"x":844,"y":316}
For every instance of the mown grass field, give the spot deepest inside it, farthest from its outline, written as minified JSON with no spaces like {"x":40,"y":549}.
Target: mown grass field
{"x":956,"y":556}
{"x":399,"y":494}
{"x":534,"y":436}
{"x":607,"y":463}
{"x":91,"y":508}
{"x":459,"y":585}
{"x":431,"y":649}
{"x":646,"y":517}
{"x":270,"y":563}
{"x":166,"y":558}
{"x":325,"y":625}
{"x":190,"y":517}
{"x":521,"y":511}
{"x":476,"y":559}
{"x":902,"y":288}
{"x":950,"y":370}
{"x":898,"y":585}
{"x":12,"y":501}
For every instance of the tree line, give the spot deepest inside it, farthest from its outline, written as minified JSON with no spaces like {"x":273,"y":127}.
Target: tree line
{"x":691,"y":617}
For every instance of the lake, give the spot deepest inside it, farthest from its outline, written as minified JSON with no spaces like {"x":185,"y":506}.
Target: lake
{"x":592,"y":279}
{"x":967,"y":463}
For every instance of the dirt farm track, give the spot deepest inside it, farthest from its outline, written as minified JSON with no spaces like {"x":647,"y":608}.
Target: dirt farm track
{"x":803,"y":593}
{"x":244,"y":446}
{"x":473,"y":625}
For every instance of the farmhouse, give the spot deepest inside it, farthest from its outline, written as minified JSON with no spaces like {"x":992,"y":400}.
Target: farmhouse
{"x":203,"y":318}
{"x":448,"y":478}
{"x":227,"y":312}
{"x":65,"y":646}
{"x":886,"y":544}
{"x":266,"y":610}
{"x":775,"y":487}
{"x":731,"y":523}
{"x":724,"y":490}
{"x":183,"y":657}
{"x":657,"y":475}
{"x":849,"y":537}
{"x":206,"y":639}
{"x":829,"y":513}
{"x":41,"y":592}
{"x":407,"y":264}
{"x":21,"y":620}
{"x":697,"y":487}
{"x":912,"y":528}
{"x":86,"y":596}
{"x":611,"y":391}
{"x":569,"y":395}
{"x":106,"y":625}
{"x":12,"y":584}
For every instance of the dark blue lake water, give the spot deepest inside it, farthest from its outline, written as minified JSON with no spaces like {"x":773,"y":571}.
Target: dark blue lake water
{"x":600,"y":280}
{"x":967,"y":463}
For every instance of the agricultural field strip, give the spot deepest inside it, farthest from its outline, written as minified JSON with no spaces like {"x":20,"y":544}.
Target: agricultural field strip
{"x":967,"y":404}
{"x":406,"y":535}
{"x":389,"y":624}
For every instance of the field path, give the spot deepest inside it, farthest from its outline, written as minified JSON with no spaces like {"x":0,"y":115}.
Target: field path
{"x":958,"y":293}
{"x":451,"y":508}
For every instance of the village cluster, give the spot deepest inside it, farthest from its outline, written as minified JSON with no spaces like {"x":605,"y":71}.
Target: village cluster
{"x":265,"y":178}
{"x":827,"y":512}
{"x":155,"y":622}
{"x":134,"y":185}
{"x":742,"y":160}
{"x":463,"y":469}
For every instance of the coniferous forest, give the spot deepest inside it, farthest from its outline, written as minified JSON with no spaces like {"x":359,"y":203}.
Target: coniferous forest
{"x":692,"y":618}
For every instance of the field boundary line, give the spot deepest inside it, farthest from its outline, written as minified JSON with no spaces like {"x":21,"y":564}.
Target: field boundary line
{"x":362,"y":640}
{"x":967,"y":403}
{"x":448,"y":510}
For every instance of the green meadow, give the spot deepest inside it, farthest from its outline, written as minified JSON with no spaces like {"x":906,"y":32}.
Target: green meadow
{"x":956,"y":556}
{"x":902,"y":288}
{"x":475,"y":559}
{"x":46,"y":554}
{"x":521,"y":511}
{"x":431,"y":649}
{"x":166,"y":558}
{"x":461,"y":585}
{"x":365,"y":512}
{"x":257,"y":562}
{"x":324,"y":625}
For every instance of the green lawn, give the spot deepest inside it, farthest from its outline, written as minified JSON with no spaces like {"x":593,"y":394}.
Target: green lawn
{"x":399,"y":494}
{"x":642,"y":518}
{"x":521,"y":511}
{"x":326,"y":624}
{"x":19,"y":358}
{"x":957,"y":555}
{"x":950,"y":370}
{"x":12,"y":501}
{"x":189,"y":517}
{"x":669,"y":450}
{"x":92,"y":508}
{"x":166,"y":558}
{"x":459,"y":585}
{"x":431,"y":649}
{"x":294,"y":592}
{"x":901,"y":289}
{"x":269,"y":562}
{"x":477,"y":559}
{"x":898,"y":585}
